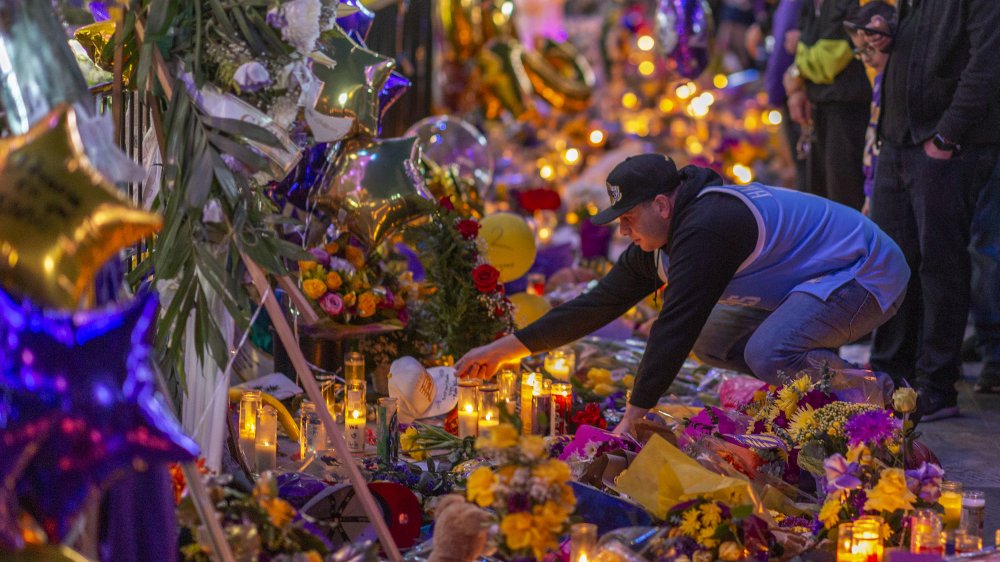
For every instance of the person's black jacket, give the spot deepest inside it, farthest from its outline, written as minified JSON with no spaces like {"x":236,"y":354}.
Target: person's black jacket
{"x":825,"y":50}
{"x":947,"y":80}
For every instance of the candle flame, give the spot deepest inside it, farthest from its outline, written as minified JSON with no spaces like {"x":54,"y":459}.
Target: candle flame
{"x":583,"y":557}
{"x":356,"y":414}
{"x":468,"y":408}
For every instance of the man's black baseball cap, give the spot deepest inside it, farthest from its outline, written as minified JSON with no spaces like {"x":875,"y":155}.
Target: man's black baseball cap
{"x":636,"y":180}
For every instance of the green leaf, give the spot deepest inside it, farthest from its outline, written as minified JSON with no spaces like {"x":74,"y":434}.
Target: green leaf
{"x":225,"y":176}
{"x":200,"y":179}
{"x":248,"y":157}
{"x":222,"y":19}
{"x":249,"y":34}
{"x":742,"y":512}
{"x":245,"y":129}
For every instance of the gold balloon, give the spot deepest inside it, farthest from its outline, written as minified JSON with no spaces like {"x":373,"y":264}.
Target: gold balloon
{"x":60,"y":220}
{"x":498,"y":19}
{"x":352,"y":82}
{"x":374,"y":186}
{"x":461,"y":21}
{"x":560,"y":75}
{"x":504,"y":82}
{"x":528,"y":308}
{"x":510,"y":244}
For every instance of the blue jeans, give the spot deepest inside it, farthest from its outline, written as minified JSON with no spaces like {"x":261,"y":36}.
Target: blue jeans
{"x":986,"y":272}
{"x":804,"y":332}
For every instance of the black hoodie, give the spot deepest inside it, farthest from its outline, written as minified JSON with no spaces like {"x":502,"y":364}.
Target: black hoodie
{"x":710,"y":237}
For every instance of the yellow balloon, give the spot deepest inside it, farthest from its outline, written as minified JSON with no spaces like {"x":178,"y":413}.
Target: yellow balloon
{"x":510,"y":244}
{"x":528,"y":308}
{"x":60,"y":219}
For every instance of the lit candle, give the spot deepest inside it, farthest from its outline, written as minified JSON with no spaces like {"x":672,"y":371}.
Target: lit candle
{"x":249,"y":406}
{"x":527,"y":390}
{"x":489,"y":409}
{"x":546,"y":221}
{"x":582,"y":542}
{"x":354,"y":367}
{"x":507,"y":390}
{"x":266,"y":444}
{"x":925,"y":531}
{"x":867,"y":546}
{"x":562,"y":403}
{"x":541,"y":398}
{"x":951,"y":501}
{"x":355,"y":416}
{"x":845,"y":542}
{"x":560,"y":363}
{"x":468,"y":415}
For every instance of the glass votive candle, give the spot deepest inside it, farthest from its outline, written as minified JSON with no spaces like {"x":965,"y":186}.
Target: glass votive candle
{"x":468,"y":407}
{"x":560,"y":363}
{"x":966,"y":542}
{"x":541,"y":399}
{"x":845,"y":542}
{"x":312,"y":437}
{"x":867,"y":545}
{"x":266,"y":443}
{"x":925,"y":531}
{"x":387,"y":436}
{"x":536,"y":284}
{"x":973,"y":517}
{"x":582,"y":542}
{"x":951,"y":501}
{"x":355,"y":416}
{"x":562,"y":404}
{"x":354,"y":367}
{"x":249,"y":406}
{"x":489,"y":408}
{"x":527,"y":391}
{"x":507,"y":389}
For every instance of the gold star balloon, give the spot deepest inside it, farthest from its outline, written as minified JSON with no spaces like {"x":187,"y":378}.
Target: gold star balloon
{"x":374,"y":186}
{"x":60,"y":219}
{"x":352,"y":78}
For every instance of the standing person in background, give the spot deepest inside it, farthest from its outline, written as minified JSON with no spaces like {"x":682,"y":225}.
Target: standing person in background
{"x":786,"y":36}
{"x":875,"y":61}
{"x":829,"y":91}
{"x":986,"y":283}
{"x":940,"y":132}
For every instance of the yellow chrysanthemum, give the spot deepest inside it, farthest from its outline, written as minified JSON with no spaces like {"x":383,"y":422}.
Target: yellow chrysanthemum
{"x":479,"y":487}
{"x":891,"y":492}
{"x":802,"y":385}
{"x":314,"y":288}
{"x":802,"y":423}
{"x":707,"y":537}
{"x":533,"y":446}
{"x":553,"y":471}
{"x":829,"y":514}
{"x":517,"y":529}
{"x":690,"y":523}
{"x":502,"y":437}
{"x":788,"y":401}
{"x":711,"y":514}
{"x":333,"y":280}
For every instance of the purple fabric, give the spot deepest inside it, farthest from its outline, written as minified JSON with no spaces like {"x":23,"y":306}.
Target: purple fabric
{"x":871,"y":143}
{"x":138,"y":519}
{"x":785,"y":19}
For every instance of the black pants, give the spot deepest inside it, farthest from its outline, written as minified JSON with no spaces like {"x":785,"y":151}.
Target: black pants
{"x":834,"y":168}
{"x":926,"y":206}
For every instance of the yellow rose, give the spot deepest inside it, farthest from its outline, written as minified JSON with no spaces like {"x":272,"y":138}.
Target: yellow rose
{"x":517,"y":529}
{"x":533,"y":446}
{"x":355,"y":256}
{"x":333,"y":281}
{"x":408,"y":442}
{"x":307,"y":266}
{"x":366,"y":304}
{"x":314,"y":288}
{"x":904,"y":400}
{"x":553,"y":471}
{"x":550,"y":516}
{"x":730,"y":551}
{"x":479,"y":487}
{"x":598,"y":375}
{"x":350,"y":299}
{"x":891,"y":493}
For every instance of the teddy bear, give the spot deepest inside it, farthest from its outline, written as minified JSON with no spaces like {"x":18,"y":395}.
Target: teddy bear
{"x":460,"y":530}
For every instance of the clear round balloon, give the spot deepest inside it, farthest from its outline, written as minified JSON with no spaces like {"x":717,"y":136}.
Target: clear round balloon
{"x":450,"y":141}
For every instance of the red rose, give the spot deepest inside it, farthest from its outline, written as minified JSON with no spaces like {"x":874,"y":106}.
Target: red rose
{"x":590,"y":415}
{"x":540,"y":199}
{"x":468,"y":228}
{"x":485,"y":277}
{"x":446,"y":203}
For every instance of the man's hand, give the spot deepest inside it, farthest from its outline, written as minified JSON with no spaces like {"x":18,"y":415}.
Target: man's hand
{"x":483,"y":362}
{"x":799,"y":108}
{"x":792,"y":41}
{"x":866,"y":209}
{"x":632,"y":413}
{"x":934,"y":152}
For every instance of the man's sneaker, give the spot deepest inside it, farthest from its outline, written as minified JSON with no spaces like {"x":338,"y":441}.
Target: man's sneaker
{"x":933,"y":406}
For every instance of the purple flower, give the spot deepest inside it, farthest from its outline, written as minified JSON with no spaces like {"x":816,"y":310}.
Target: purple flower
{"x":925,"y":482}
{"x":332,"y":304}
{"x":252,"y":76}
{"x":871,"y":427}
{"x":840,"y":474}
{"x":817,"y":399}
{"x":275,"y":18}
{"x":321,"y":256}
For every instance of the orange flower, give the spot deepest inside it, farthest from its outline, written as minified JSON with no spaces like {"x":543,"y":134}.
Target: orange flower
{"x":366,"y":304}
{"x":333,"y":281}
{"x":350,"y":299}
{"x":314,"y":288}
{"x":307,"y":266}
{"x":355,"y":256}
{"x":332,"y":248}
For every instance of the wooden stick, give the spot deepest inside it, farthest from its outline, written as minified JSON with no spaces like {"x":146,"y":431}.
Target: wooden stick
{"x":206,"y":511}
{"x":309,"y":316}
{"x":312,"y":389}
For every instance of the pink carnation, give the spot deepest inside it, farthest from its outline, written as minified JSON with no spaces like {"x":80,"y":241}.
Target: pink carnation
{"x":332,"y":304}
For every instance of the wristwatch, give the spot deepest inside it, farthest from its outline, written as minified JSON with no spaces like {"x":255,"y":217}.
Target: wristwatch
{"x":944,"y":144}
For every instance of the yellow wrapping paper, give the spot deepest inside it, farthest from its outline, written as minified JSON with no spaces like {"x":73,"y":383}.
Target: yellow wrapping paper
{"x":662,"y":476}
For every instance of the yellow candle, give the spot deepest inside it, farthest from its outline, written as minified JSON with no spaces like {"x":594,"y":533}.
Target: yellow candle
{"x":560,"y":363}
{"x":952,"y":504}
{"x":527,"y":390}
{"x":249,"y":408}
{"x":867,"y":545}
{"x":468,"y":409}
{"x":266,"y":443}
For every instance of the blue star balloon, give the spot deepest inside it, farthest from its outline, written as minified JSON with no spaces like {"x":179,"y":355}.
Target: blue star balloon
{"x":394,"y":88}
{"x":355,"y":19}
{"x":92,"y":371}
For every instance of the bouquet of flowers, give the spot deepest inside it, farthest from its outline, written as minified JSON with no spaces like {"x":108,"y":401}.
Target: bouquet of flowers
{"x":528,"y":492}
{"x":710,"y":530}
{"x":346,"y":288}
